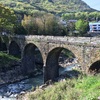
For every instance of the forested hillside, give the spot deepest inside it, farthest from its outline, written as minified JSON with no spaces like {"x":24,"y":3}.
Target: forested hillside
{"x":51,"y":6}
{"x":40,"y":17}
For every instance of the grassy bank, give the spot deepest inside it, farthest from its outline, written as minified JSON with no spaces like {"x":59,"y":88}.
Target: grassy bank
{"x":83,"y":88}
{"x":7,"y":60}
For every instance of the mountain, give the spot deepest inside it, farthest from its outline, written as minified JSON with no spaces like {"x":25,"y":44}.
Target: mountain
{"x":50,"y":6}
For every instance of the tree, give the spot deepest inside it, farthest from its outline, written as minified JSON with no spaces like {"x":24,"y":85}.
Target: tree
{"x":71,"y":28}
{"x":48,"y":25}
{"x":20,"y":30}
{"x":7,"y":19}
{"x":30,"y":24}
{"x":42,"y":24}
{"x":82,"y":26}
{"x":52,"y":27}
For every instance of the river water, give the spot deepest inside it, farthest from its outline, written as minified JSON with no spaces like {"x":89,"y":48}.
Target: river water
{"x":10,"y":91}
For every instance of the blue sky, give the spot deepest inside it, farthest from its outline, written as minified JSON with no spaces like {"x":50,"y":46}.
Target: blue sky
{"x":93,"y":4}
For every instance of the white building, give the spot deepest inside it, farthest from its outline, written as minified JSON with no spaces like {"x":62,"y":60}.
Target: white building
{"x":94,"y":27}
{"x":63,"y":22}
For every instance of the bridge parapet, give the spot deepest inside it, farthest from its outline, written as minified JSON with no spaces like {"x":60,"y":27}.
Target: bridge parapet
{"x":87,"y":41}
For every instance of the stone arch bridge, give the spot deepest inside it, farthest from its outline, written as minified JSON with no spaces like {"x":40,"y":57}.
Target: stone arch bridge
{"x":85,"y":49}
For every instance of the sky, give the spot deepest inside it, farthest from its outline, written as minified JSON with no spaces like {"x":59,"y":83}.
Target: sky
{"x":93,"y":4}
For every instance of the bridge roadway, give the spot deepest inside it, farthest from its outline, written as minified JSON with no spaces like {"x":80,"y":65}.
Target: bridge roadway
{"x":85,"y":49}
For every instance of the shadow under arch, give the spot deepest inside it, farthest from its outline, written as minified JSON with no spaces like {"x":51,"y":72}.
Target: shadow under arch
{"x":14,"y":49}
{"x":3,"y":46}
{"x":95,"y":67}
{"x":51,"y":71}
{"x":32,"y":59}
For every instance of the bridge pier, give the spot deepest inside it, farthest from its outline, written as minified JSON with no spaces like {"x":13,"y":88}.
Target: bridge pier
{"x":50,"y":75}
{"x":45,"y":78}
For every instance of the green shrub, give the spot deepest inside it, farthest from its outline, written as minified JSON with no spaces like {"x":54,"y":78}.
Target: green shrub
{"x":7,"y":60}
{"x":84,"y":88}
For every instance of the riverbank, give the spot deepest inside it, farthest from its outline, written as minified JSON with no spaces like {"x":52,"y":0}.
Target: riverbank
{"x":12,"y":80}
{"x":11,"y":91}
{"x":11,"y":71}
{"x":83,"y":88}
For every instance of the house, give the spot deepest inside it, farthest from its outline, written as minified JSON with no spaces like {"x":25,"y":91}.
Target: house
{"x":94,"y":27}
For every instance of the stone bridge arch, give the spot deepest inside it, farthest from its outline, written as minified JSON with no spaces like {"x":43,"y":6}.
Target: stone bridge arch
{"x":52,"y":68}
{"x":91,"y":57}
{"x":95,"y":67}
{"x":3,"y":45}
{"x":14,"y":49}
{"x":77,"y":50}
{"x":30,"y":58}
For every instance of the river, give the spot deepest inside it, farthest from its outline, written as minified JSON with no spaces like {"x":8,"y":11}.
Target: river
{"x":10,"y":91}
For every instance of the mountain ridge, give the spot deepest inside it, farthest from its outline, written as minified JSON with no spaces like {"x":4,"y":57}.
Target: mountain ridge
{"x":49,"y":6}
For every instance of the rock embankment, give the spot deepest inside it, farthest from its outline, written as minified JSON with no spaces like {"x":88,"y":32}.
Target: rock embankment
{"x":15,"y":74}
{"x":11,"y":76}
